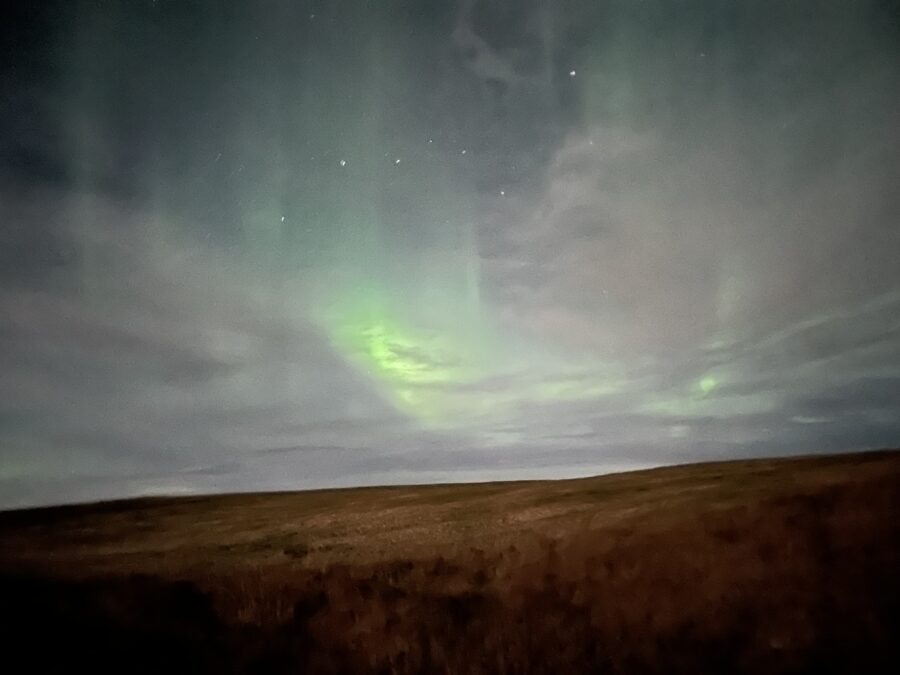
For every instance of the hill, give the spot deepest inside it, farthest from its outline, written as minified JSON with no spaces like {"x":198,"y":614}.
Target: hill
{"x":760,"y":566}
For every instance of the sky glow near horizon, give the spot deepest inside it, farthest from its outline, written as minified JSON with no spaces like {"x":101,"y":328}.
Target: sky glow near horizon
{"x":255,"y":245}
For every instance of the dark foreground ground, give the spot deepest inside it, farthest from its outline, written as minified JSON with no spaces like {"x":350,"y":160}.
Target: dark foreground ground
{"x":770,"y":566}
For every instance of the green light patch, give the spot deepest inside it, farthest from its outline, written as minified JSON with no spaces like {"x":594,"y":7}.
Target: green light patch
{"x":396,"y":353}
{"x":707,"y":384}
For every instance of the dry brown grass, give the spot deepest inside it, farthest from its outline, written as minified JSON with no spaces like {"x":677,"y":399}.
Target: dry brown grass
{"x":774,"y":566}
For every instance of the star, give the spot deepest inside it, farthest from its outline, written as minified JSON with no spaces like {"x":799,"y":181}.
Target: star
{"x":397,"y":161}
{"x":343,"y":162}
{"x":572,"y":73}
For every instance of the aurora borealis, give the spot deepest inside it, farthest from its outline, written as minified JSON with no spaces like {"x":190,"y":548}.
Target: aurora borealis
{"x":272,"y":245}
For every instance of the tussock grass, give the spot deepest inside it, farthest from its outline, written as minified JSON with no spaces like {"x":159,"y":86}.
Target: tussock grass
{"x":768,"y":566}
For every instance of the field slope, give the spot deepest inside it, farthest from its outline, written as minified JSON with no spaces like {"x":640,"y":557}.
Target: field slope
{"x":762,"y":566}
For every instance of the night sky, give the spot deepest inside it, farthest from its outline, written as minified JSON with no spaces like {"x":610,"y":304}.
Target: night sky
{"x":274,"y":245}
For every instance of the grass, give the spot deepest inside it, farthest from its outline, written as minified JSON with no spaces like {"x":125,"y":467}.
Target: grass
{"x":765,"y":566}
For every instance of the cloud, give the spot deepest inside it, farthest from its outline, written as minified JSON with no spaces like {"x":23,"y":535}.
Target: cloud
{"x":686,"y":251}
{"x":163,"y":357}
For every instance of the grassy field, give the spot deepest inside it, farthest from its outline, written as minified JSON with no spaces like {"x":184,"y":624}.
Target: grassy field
{"x":764,"y":566}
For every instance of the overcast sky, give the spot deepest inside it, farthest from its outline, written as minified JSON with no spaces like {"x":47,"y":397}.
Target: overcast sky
{"x":273,"y":245}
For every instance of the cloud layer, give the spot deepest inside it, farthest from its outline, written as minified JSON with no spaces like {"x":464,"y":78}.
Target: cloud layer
{"x":303,"y":244}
